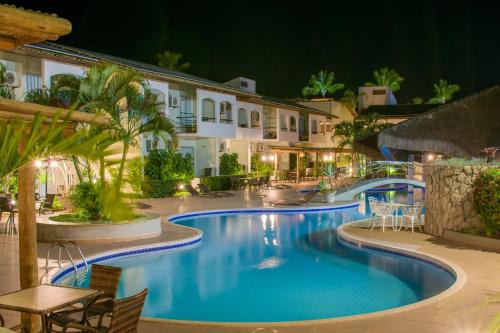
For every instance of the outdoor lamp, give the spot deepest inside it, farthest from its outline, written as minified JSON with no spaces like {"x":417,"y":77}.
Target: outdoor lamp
{"x":38,"y":163}
{"x":271,"y":158}
{"x":430,"y":157}
{"x":53,"y":163}
{"x":263,"y":158}
{"x":180,"y":187}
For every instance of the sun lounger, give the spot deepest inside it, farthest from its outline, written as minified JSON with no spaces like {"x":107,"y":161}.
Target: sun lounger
{"x":299,"y":202}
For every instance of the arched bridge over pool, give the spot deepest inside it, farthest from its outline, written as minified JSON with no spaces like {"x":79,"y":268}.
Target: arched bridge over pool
{"x":362,"y":186}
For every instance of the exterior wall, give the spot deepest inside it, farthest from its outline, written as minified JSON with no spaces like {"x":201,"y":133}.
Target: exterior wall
{"x":249,"y":133}
{"x":216,"y":129}
{"x":369,"y":96}
{"x":50,"y":68}
{"x":22,"y":65}
{"x":287,"y":135}
{"x":242,"y":148}
{"x":206,"y":156}
{"x":448,"y":198}
{"x":319,"y":137}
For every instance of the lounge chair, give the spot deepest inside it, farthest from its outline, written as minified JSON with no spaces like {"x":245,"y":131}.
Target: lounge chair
{"x":102,"y":278}
{"x":300,"y":202}
{"x":47,"y":204}
{"x":195,"y":193}
{"x":205,"y":190}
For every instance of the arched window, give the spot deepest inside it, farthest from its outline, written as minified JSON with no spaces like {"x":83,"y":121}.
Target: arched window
{"x":293,"y":124}
{"x":226,"y":115}
{"x":242,"y":118}
{"x":255,"y":119}
{"x":283,"y":123}
{"x":208,"y":110}
{"x":314,"y":126}
{"x":160,"y":100}
{"x":322,"y":127}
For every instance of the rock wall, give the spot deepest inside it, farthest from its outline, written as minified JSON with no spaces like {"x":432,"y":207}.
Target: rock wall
{"x":448,"y":198}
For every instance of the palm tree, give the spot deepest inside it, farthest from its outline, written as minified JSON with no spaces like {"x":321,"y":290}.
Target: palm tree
{"x":386,"y":77}
{"x":126,"y":99}
{"x":351,"y":100}
{"x":350,"y":131}
{"x":443,"y":92}
{"x":172,"y":60}
{"x":5,"y":90}
{"x":321,"y":83}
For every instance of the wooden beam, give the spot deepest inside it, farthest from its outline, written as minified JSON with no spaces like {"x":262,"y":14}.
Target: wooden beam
{"x":7,"y":43}
{"x":36,"y":22}
{"x":31,"y":109}
{"x":22,"y":31}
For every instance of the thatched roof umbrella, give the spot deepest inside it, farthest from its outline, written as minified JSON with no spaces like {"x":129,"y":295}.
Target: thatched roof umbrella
{"x":457,"y":129}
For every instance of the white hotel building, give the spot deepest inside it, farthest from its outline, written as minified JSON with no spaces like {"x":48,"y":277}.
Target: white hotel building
{"x":211,"y":117}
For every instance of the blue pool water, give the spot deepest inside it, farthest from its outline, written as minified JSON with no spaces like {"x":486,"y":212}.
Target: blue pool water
{"x":275,"y":267}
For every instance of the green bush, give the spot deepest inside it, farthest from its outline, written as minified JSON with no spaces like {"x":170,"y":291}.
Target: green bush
{"x":86,"y":201}
{"x":217,"y":183}
{"x":158,"y":188}
{"x":229,"y":165}
{"x":487,"y":200}
{"x":57,"y":205}
{"x":168,"y":165}
{"x":260,"y":167}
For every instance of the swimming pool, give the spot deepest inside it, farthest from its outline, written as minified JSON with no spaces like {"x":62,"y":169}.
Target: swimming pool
{"x":273,"y":268}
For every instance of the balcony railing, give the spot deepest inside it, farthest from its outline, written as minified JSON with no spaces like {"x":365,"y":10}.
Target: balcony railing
{"x":303,"y":136}
{"x":208,"y":119}
{"x":226,"y":121}
{"x":186,"y":124}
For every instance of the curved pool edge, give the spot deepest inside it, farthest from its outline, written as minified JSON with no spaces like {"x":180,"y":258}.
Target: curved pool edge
{"x":126,"y":251}
{"x":266,"y":209}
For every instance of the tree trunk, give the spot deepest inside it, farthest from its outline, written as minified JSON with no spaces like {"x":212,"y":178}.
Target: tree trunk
{"x":122,"y":166}
{"x":77,"y":168}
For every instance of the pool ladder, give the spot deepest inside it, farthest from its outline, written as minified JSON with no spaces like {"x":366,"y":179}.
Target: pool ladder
{"x":63,"y":246}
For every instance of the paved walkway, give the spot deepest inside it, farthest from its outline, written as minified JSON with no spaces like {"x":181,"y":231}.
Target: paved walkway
{"x":466,"y":311}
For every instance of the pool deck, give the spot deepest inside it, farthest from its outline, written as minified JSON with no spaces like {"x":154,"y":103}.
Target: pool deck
{"x":465,"y":311}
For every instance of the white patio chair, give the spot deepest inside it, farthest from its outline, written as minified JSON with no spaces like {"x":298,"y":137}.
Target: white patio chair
{"x":413,"y":213}
{"x":386,"y":210}
{"x":374,"y":208}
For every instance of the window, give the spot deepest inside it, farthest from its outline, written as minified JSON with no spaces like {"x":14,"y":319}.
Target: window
{"x":322,"y":127}
{"x":152,"y":143}
{"x":314,"y":126}
{"x":255,"y":119}
{"x":33,"y":81}
{"x":283,"y":123}
{"x":242,"y":118}
{"x":244,"y":84}
{"x":293,"y":124}
{"x":328,"y":125}
{"x":226,"y":115}
{"x":208,"y":110}
{"x":378,"y":92}
{"x":160,"y":100}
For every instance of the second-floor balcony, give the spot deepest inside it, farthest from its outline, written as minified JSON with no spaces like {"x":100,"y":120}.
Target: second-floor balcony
{"x":186,"y":124}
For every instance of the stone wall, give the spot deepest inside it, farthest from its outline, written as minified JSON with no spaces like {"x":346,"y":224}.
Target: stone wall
{"x":448,"y":198}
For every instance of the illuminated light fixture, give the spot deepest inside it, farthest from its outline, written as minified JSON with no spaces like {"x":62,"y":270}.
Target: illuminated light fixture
{"x":38,"y":163}
{"x":327,"y":158}
{"x":53,"y":163}
{"x":94,"y":180}
{"x":302,"y":154}
{"x":271,"y":158}
{"x":13,"y":202}
{"x":181,"y":187}
{"x":264,"y":158}
{"x":430,"y":157}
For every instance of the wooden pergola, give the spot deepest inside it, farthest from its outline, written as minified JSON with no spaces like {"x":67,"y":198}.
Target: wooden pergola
{"x":18,"y":27}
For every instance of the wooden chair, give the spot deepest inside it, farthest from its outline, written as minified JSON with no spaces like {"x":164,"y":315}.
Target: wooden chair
{"x":124,"y":319}
{"x":47,"y":204}
{"x":102,"y":278}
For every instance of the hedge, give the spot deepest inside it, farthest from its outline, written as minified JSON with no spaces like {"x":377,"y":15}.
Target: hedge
{"x":487,"y":200}
{"x":158,"y":188}
{"x":217,"y":183}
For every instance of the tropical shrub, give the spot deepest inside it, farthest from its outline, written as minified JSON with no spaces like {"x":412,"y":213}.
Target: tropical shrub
{"x":228,"y":165}
{"x":158,"y":188}
{"x":487,"y":200}
{"x":134,"y":168}
{"x":217,"y":183}
{"x":168,"y":165}
{"x":86,"y":201}
{"x":57,"y":205}
{"x":261,"y":168}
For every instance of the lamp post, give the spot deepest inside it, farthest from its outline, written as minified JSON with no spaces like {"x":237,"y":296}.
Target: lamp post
{"x":45,"y":165}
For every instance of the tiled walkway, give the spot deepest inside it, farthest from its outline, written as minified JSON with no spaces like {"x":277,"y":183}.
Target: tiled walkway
{"x":466,"y":311}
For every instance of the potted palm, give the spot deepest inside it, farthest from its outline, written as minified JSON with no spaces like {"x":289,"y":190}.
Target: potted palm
{"x":326,"y":185}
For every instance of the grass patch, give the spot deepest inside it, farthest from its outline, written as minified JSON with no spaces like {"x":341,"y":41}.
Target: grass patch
{"x":76,"y":218}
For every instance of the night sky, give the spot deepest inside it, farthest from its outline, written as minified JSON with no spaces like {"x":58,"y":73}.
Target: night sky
{"x":279,"y":43}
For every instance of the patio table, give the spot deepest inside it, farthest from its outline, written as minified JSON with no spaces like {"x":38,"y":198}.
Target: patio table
{"x":45,"y":299}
